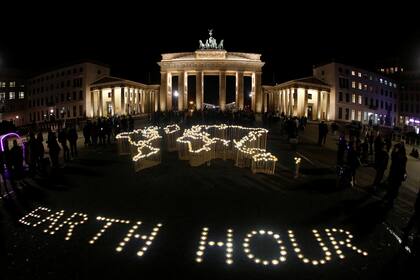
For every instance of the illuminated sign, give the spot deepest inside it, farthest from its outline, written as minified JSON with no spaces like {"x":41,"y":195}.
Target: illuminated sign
{"x":333,"y":243}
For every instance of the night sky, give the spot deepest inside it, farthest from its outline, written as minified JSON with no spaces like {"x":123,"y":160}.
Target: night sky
{"x":131,"y":38}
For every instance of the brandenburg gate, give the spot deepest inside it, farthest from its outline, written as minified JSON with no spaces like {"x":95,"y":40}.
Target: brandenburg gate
{"x":210,"y":59}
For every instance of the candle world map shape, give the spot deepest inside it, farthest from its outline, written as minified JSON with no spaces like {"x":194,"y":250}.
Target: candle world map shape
{"x":246,"y":146}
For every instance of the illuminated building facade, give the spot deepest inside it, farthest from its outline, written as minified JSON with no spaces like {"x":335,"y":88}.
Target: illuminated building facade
{"x":12,"y":96}
{"x":210,"y":60}
{"x":359,"y":95}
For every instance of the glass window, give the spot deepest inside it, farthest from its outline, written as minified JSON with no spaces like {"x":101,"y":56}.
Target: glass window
{"x":353,"y":84}
{"x":12,"y":84}
{"x":2,"y":95}
{"x":347,"y":116}
{"x":359,"y":86}
{"x":12,"y":95}
{"x":21,"y":95}
{"x":360,"y":99}
{"x":340,"y":96}
{"x":353,"y":73}
{"x":340,"y":113}
{"x":2,"y":84}
{"x":353,"y":98}
{"x":359,"y":74}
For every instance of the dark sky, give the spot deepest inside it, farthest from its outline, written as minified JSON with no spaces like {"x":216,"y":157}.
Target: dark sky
{"x":130,"y":38}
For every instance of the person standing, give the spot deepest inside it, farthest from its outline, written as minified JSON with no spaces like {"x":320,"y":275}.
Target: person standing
{"x":320,"y":132}
{"x":397,"y":173}
{"x":53,"y":148}
{"x":353,"y":162}
{"x":72,"y":136}
{"x":381,"y":164}
{"x":62,"y":138}
{"x":341,"y":149}
{"x":16,"y":160}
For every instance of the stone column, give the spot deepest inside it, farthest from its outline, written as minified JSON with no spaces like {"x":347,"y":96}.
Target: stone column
{"x":240,"y":90}
{"x":181,"y":91}
{"x":123,"y":101}
{"x":113,"y":101}
{"x":101,"y":105}
{"x":295,"y":105}
{"x":163,"y":91}
{"x":169,"y":92}
{"x":185,"y":105}
{"x":327,"y":109}
{"x":142,"y":100}
{"x":222,"y":90}
{"x":305,"y":104}
{"x":258,"y":93}
{"x":199,"y":91}
{"x":318,"y":105}
{"x":92,"y":104}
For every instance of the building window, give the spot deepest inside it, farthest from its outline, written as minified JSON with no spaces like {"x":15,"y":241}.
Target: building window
{"x":12,"y":95}
{"x":74,"y":95}
{"x":21,"y":95}
{"x":2,"y":95}
{"x":353,"y":84}
{"x":340,"y":113}
{"x":359,"y":74}
{"x":309,"y":95}
{"x":80,"y":110}
{"x":353,"y":114}
{"x":353,"y":73}
{"x":365,"y":87}
{"x":353,"y":98}
{"x":360,"y":86}
{"x":347,"y":115}
{"x":340,"y":96}
{"x":343,"y":83}
{"x":347,"y":97}
{"x":360,"y":99}
{"x":74,"y":111}
{"x":68,"y":96}
{"x":81,"y":95}
{"x":359,"y":116}
{"x":2,"y":84}
{"x":12,"y":84}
